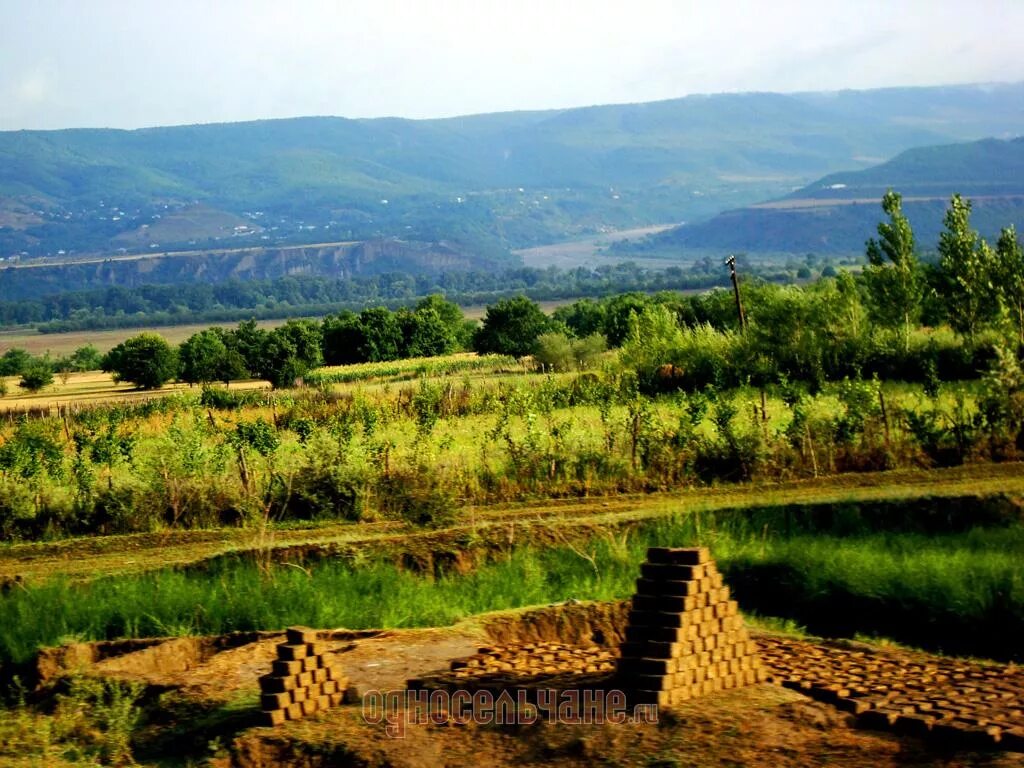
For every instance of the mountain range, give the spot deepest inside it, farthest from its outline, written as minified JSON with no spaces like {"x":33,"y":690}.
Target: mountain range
{"x":474,"y":187}
{"x":839,"y":212}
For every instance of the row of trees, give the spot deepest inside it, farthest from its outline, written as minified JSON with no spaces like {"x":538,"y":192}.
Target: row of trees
{"x":824,"y":330}
{"x":979,"y":285}
{"x":284,"y":355}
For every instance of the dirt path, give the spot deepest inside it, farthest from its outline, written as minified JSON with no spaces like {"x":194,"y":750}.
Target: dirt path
{"x":86,"y":558}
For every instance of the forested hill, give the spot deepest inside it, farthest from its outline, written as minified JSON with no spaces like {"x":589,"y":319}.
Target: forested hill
{"x":839,"y":212}
{"x":488,"y":182}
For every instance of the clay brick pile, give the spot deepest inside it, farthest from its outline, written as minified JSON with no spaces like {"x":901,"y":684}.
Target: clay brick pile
{"x":685,"y":637}
{"x":303,"y":680}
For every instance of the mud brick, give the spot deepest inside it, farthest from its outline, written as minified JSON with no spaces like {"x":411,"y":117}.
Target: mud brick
{"x":274,"y":684}
{"x":666,"y":603}
{"x":720,"y":610}
{"x":287,"y":652}
{"x":300,"y":635}
{"x":299,"y":695}
{"x":270,"y":701}
{"x":280,"y":668}
{"x":660,"y":572}
{"x":336,"y":699}
{"x":323,"y":702}
{"x":331,"y":686}
{"x":678,"y":555}
{"x":314,"y":691}
{"x":294,"y":712}
{"x":309,"y":707}
{"x":679,"y":696}
{"x":662,"y":587}
{"x":273,"y":717}
{"x":708,"y":628}
{"x":319,"y":675}
{"x":309,"y":663}
{"x":316,"y":649}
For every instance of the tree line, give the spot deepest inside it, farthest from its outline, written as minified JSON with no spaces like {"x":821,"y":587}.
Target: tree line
{"x":122,"y":307}
{"x":850,"y":325}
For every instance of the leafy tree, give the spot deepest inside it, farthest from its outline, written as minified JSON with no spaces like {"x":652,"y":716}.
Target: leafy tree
{"x":554,"y":351}
{"x":382,"y":335}
{"x":289,"y":352}
{"x":86,"y":358}
{"x":36,"y":375}
{"x":343,"y":339}
{"x":146,"y":360}
{"x":511,"y":327}
{"x":1010,"y":256}
{"x":893,"y":276}
{"x":205,"y":357}
{"x":617,"y":313}
{"x":452,"y":317}
{"x":425,"y":333}
{"x":14,"y":361}
{"x":968,"y":267}
{"x":582,"y":317}
{"x":248,"y":341}
{"x":558,"y":352}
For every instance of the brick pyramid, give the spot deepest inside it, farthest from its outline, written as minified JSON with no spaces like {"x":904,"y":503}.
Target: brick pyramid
{"x":302,"y":680}
{"x":685,"y":637}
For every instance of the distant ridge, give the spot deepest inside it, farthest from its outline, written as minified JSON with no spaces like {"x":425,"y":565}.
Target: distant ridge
{"x":482,"y":183}
{"x":839,"y":212}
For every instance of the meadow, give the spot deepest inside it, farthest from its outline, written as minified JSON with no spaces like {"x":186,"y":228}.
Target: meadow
{"x":954,"y":588}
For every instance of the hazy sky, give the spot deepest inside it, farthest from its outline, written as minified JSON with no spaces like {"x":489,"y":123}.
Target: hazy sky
{"x":70,"y":63}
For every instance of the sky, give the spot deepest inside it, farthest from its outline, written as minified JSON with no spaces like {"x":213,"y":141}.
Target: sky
{"x":136,"y":63}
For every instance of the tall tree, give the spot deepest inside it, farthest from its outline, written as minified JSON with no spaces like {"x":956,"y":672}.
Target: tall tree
{"x":893,"y":275}
{"x":205,"y":357}
{"x":146,"y":360}
{"x":511,"y":327}
{"x":1010,"y":256}
{"x":968,"y":267}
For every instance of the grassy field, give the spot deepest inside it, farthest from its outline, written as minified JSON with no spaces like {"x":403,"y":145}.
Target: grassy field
{"x":89,"y":557}
{"x":58,"y":344}
{"x":92,"y":388}
{"x":955,"y":591}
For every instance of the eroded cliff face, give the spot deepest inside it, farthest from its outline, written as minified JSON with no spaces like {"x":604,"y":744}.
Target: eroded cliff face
{"x":338,"y":260}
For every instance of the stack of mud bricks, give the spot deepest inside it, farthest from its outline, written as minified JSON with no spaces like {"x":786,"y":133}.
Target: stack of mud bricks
{"x":685,"y":637}
{"x":302,"y":680}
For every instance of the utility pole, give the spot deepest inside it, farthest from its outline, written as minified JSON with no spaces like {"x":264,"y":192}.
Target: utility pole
{"x":731,"y":262}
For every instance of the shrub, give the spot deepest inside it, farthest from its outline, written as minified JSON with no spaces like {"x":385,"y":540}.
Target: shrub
{"x":35,"y":376}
